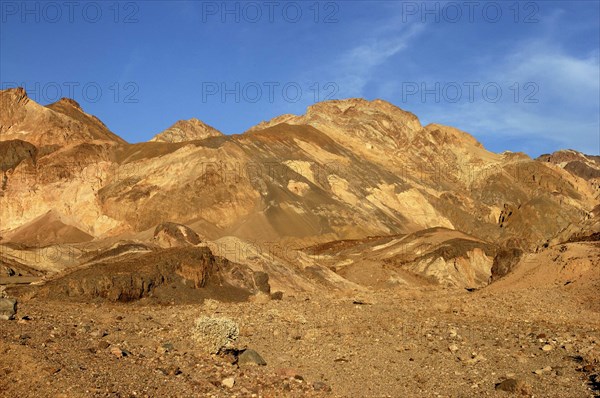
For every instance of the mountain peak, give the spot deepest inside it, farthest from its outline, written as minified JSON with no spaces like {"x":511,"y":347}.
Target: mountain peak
{"x":60,"y":123}
{"x":582,"y":165}
{"x":347,"y":113}
{"x":187,"y":130}
{"x":16,"y":95}
{"x":67,"y":102}
{"x":342,"y":106}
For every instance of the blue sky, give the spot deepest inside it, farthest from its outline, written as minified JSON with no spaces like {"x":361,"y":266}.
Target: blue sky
{"x":520,"y":76}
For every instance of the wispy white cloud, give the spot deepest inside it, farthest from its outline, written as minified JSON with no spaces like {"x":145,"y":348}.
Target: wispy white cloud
{"x":561,"y":76}
{"x":568,"y":108}
{"x":566,"y":114}
{"x":513,"y":122}
{"x":356,"y":66}
{"x":569,"y":96}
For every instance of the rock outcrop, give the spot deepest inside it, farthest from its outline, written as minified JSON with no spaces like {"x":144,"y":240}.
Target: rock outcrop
{"x":134,"y":277}
{"x":505,"y":261}
{"x":170,"y":234}
{"x":8,"y":309}
{"x":187,"y":130}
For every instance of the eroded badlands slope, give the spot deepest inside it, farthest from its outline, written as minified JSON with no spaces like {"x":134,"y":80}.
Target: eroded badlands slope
{"x":411,"y":261}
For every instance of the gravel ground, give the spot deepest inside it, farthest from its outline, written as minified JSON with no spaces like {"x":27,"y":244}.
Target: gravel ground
{"x":394,"y":343}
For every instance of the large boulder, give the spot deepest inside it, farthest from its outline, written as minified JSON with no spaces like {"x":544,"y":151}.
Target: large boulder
{"x":8,"y":308}
{"x":261,"y":282}
{"x":504,"y":262}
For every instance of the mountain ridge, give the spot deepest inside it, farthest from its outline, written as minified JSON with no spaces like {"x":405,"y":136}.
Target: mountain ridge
{"x":345,"y":169}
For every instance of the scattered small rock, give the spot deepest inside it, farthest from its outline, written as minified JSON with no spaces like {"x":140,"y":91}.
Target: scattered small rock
{"x":588,"y":368}
{"x":228,"y":382}
{"x":277,"y":296}
{"x":568,"y":347}
{"x":99,"y":333}
{"x":471,"y":360}
{"x":103,"y":345}
{"x":52,"y":369}
{"x":321,"y":386}
{"x":119,"y":353}
{"x":547,"y":347}
{"x":172,"y":370}
{"x":514,"y":386}
{"x":288,"y":373}
{"x":559,"y":372}
{"x":8,"y":309}
{"x":260,"y":298}
{"x":543,"y":370}
{"x":250,"y":357}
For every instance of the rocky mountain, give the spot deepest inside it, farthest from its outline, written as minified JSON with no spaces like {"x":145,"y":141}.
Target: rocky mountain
{"x":187,"y":130}
{"x":578,"y":164}
{"x":49,"y":127}
{"x":345,"y":170}
{"x":321,"y":254}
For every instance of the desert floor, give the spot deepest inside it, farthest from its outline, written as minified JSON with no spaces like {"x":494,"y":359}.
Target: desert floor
{"x":394,"y":343}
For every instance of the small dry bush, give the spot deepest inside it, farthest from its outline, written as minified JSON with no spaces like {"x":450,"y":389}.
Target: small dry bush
{"x":215,"y":334}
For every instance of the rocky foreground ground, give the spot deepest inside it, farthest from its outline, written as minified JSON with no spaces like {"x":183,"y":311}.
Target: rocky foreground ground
{"x":393,"y":343}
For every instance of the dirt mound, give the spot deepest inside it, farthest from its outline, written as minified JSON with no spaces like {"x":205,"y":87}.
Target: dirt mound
{"x":572,"y":268}
{"x":48,"y":229}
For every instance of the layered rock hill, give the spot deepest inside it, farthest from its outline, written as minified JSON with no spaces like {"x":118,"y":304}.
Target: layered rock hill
{"x":187,"y":130}
{"x":49,"y":127}
{"x":428,"y":257}
{"x":347,"y":169}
